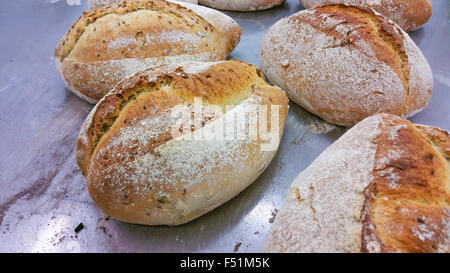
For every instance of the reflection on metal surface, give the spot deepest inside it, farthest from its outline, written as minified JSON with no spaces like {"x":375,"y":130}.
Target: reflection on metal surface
{"x":44,"y":197}
{"x":45,"y":237}
{"x":303,"y":119}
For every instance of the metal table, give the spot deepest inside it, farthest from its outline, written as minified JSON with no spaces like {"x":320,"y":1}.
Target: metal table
{"x":44,"y":197}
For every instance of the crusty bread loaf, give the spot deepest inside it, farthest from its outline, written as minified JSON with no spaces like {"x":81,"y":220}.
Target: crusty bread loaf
{"x":113,"y":42}
{"x":384,"y":186}
{"x":241,"y":5}
{"x":139,"y":171}
{"x":345,"y":63}
{"x":408,"y":14}
{"x":93,"y":4}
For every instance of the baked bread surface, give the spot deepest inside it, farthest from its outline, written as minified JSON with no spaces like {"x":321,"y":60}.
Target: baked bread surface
{"x":345,"y":63}
{"x":241,"y":5}
{"x":136,"y":169}
{"x":112,"y":42}
{"x":93,"y":4}
{"x":408,"y":14}
{"x":384,"y":186}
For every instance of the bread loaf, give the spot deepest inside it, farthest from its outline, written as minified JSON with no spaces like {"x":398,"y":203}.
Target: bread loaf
{"x":144,"y":163}
{"x":408,"y":14}
{"x":93,"y":4}
{"x":241,"y":5}
{"x":113,"y":42}
{"x":384,"y":186}
{"x":345,"y":63}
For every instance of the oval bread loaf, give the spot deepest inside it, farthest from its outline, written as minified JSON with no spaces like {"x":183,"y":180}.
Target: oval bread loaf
{"x":345,"y":63}
{"x":241,"y":5}
{"x":144,"y":163}
{"x":113,"y":42}
{"x":408,"y":14}
{"x":93,"y":4}
{"x":384,"y":186}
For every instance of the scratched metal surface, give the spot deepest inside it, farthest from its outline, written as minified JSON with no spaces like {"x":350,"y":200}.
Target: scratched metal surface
{"x":43,"y":195}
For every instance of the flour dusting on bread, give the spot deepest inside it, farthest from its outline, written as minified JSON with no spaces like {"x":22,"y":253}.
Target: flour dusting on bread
{"x":381,"y":187}
{"x":330,"y":220}
{"x":345,"y":63}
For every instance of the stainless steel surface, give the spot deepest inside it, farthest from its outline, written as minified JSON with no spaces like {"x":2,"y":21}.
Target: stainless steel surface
{"x":44,"y":197}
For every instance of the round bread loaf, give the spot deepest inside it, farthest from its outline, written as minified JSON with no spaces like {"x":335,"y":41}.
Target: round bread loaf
{"x":345,"y":63}
{"x":93,"y":4}
{"x":384,"y":186}
{"x":113,"y":42}
{"x":408,"y":14}
{"x":241,"y":5}
{"x":152,"y":155}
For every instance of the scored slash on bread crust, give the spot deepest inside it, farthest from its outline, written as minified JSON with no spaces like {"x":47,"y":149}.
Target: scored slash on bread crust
{"x":407,"y":206}
{"x":408,"y":14}
{"x":177,"y":13}
{"x":138,"y":172}
{"x":93,"y":4}
{"x":345,"y":63}
{"x":387,"y":43}
{"x":213,"y":90}
{"x":384,"y":186}
{"x":113,"y":42}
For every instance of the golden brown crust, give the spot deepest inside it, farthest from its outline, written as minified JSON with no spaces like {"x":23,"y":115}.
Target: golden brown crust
{"x":407,"y":206}
{"x":416,"y":14}
{"x":113,"y":42}
{"x":226,"y":83}
{"x":439,"y":139}
{"x":384,"y":186}
{"x":387,"y":43}
{"x":345,"y":63}
{"x":93,"y":4}
{"x":408,"y":14}
{"x":107,"y":23}
{"x":134,"y":122}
